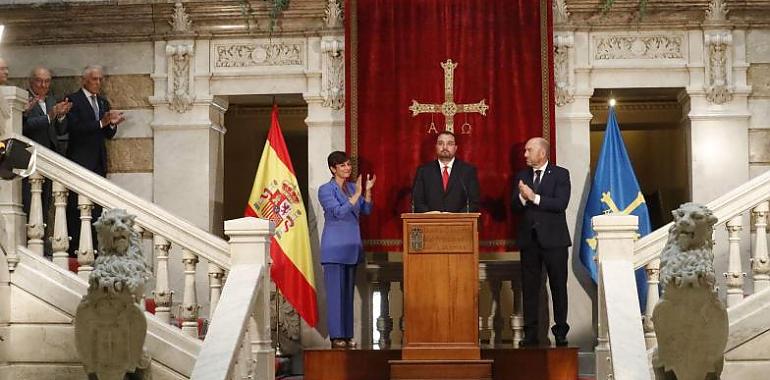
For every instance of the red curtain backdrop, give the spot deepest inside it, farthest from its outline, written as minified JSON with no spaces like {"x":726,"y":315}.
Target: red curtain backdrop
{"x":394,"y":50}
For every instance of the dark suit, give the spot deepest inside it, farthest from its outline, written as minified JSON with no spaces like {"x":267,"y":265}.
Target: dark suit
{"x":461,"y":195}
{"x":86,"y":147}
{"x":86,"y":141}
{"x":37,"y":126}
{"x":543,"y":238}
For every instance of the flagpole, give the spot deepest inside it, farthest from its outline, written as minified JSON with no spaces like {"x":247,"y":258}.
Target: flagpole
{"x":278,"y":351}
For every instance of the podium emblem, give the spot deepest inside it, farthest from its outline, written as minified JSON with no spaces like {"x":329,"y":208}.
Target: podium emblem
{"x":415,"y":239}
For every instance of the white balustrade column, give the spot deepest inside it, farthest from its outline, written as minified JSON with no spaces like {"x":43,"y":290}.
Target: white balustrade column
{"x":734,"y":273}
{"x":140,"y":232}
{"x":384,"y":321}
{"x":163,"y":295}
{"x":190,"y":305}
{"x":35,"y":225}
{"x":60,"y":241}
{"x":760,"y":263}
{"x":602,"y":350}
{"x":85,"y":250}
{"x":13,"y":101}
{"x":653,"y":289}
{"x":216,"y":274}
{"x":249,"y":245}
{"x":517,"y":317}
{"x":495,"y":320}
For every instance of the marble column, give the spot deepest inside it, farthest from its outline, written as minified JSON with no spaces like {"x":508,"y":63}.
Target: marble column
{"x":325,"y":133}
{"x":188,"y":133}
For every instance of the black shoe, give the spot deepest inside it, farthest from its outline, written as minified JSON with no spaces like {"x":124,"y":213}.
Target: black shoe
{"x":528,"y":343}
{"x":561,"y":341}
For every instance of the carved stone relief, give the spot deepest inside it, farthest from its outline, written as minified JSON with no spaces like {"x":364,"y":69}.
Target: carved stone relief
{"x":562,"y":69}
{"x":180,"y":77}
{"x":180,"y":20}
{"x":716,"y":11}
{"x":560,"y":13}
{"x":657,"y":46}
{"x":333,"y":77}
{"x":718,"y":65}
{"x":333,"y":18}
{"x":258,"y":54}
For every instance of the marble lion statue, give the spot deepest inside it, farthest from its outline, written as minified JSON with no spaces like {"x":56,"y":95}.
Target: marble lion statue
{"x":120,"y":263}
{"x":687,"y":258}
{"x":689,"y":347}
{"x":110,"y":326}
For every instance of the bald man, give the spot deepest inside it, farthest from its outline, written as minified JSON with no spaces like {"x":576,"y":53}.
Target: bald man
{"x":3,"y":72}
{"x":541,"y":196}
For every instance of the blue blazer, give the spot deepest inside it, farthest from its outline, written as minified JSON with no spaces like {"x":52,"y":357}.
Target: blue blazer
{"x":341,"y":238}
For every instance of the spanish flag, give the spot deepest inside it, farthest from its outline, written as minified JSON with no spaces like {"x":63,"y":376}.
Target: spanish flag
{"x":275,"y":196}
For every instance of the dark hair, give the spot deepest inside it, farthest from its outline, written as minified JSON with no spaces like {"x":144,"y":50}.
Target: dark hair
{"x":445,"y":132}
{"x":335,"y":158}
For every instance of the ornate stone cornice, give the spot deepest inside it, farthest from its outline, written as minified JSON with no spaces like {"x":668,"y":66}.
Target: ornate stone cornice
{"x":137,"y":20}
{"x":588,"y":14}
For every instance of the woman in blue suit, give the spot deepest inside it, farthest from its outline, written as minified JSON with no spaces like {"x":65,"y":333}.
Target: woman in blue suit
{"x":341,"y":248}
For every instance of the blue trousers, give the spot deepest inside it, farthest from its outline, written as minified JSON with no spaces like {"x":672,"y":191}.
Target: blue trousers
{"x":340,"y":280}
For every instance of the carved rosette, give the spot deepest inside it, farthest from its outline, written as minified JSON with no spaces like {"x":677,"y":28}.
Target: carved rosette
{"x":180,"y":76}
{"x":563,"y":69}
{"x":288,"y":334}
{"x":255,"y":54}
{"x":718,"y":67}
{"x":333,"y":77}
{"x":656,"y":46}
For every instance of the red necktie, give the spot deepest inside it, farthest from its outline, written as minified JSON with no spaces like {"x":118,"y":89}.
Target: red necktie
{"x":445,"y":176}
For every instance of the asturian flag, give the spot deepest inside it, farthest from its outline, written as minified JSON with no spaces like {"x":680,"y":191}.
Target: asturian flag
{"x":614,"y":189}
{"x":275,"y":196}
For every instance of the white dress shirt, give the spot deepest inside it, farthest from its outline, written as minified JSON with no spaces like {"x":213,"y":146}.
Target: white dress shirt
{"x":448,"y":165}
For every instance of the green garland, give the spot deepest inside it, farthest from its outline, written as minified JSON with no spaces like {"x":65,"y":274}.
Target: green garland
{"x":276,"y":10}
{"x":608,"y":5}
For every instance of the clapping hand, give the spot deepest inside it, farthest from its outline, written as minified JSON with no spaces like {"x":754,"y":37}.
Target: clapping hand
{"x":359,"y":189}
{"x":33,"y":100}
{"x":526,"y":192}
{"x":112,"y":118}
{"x":61,"y":108}
{"x":370,"y":181}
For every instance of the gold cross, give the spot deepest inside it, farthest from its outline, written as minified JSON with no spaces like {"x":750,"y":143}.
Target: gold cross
{"x":449,"y":108}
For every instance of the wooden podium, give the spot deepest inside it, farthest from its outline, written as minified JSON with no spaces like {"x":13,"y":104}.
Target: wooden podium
{"x":441,"y":282}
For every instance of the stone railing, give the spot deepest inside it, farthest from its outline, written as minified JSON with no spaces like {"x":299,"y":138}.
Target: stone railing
{"x":741,"y":231}
{"x":152,"y":222}
{"x":498,"y":325}
{"x":238,"y":343}
{"x":203,"y":255}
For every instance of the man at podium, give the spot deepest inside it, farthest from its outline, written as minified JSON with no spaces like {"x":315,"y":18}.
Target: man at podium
{"x":446,"y":184}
